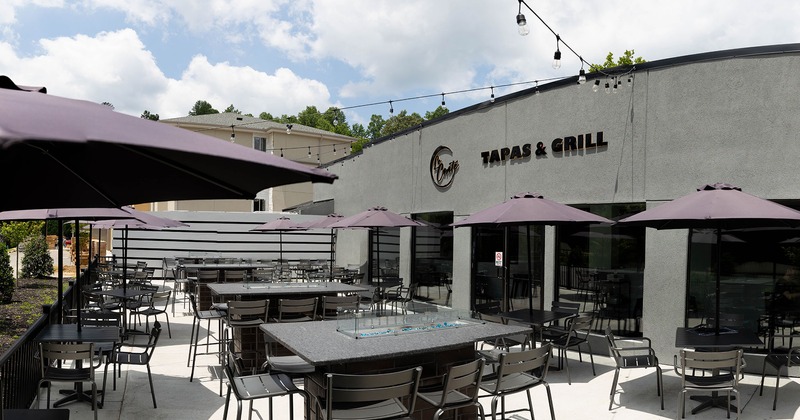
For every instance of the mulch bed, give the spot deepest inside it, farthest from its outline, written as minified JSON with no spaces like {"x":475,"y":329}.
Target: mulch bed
{"x":25,"y":308}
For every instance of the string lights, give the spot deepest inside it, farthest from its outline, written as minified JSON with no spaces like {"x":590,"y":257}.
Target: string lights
{"x":233,"y":134}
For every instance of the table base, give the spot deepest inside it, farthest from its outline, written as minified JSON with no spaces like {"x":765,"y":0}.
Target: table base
{"x":78,"y":395}
{"x":713,"y":400}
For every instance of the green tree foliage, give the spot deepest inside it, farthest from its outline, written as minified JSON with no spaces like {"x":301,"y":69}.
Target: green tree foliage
{"x":358,"y":131}
{"x":400,"y":122}
{"x":626,"y":59}
{"x":436,"y":113}
{"x":202,"y":108}
{"x":230,"y":108}
{"x":37,"y":262}
{"x":6,"y":275}
{"x":266,"y":116}
{"x":148,"y":116}
{"x":376,"y":123}
{"x":16,"y":232}
{"x":52,"y":228}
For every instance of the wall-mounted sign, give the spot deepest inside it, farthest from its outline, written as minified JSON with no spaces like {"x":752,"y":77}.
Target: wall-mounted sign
{"x":498,"y":259}
{"x":559,"y":146}
{"x":443,"y":167}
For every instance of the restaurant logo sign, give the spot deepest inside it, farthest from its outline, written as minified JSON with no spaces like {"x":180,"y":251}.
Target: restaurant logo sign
{"x":443,"y":167}
{"x":560,"y":147}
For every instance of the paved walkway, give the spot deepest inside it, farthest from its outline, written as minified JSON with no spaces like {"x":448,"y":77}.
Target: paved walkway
{"x":587,"y":397}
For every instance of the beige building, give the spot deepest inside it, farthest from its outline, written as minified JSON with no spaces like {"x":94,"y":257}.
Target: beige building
{"x":307,"y":145}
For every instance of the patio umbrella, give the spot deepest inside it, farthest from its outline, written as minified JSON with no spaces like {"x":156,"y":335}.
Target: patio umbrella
{"x":61,"y":215}
{"x":68,"y":142}
{"x":526,"y":209}
{"x":280,"y":225}
{"x":325,"y":223}
{"x":138,"y":220}
{"x":375,"y":218}
{"x":719,"y":207}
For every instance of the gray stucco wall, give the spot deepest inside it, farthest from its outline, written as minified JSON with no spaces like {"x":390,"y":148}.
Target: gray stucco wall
{"x":678,"y":126}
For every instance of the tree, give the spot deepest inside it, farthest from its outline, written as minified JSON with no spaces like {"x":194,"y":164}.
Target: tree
{"x":400,"y":122}
{"x":376,"y":123}
{"x":266,"y":116}
{"x":148,"y":116}
{"x":6,"y":275}
{"x":358,"y":131}
{"x":436,"y":113}
{"x":16,"y":232}
{"x":37,"y":262}
{"x":358,"y":145}
{"x":625,"y":60}
{"x":202,"y":108}
{"x":230,"y":108}
{"x":310,"y":117}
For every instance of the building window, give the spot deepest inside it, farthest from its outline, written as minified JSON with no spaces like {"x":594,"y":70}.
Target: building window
{"x":432,"y":251}
{"x":260,"y":143}
{"x":259,"y":204}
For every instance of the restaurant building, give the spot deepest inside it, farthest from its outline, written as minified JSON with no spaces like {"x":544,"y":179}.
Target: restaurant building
{"x":626,"y":140}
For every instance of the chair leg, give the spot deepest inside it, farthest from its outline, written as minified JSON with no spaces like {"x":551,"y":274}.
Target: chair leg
{"x":613,"y":388}
{"x":227,"y":401}
{"x":94,"y":399}
{"x":530,"y":402}
{"x":660,"y":385}
{"x":153,"y":391}
{"x":777,"y":385}
{"x":191,"y":343}
{"x":549,"y":401}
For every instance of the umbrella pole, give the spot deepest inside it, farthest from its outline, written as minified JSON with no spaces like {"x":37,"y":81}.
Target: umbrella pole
{"x":60,"y":269}
{"x":78,"y":287}
{"x":333,"y":250}
{"x":125,"y":259}
{"x":280,"y":247}
{"x":530,"y":267}
{"x":719,"y":266}
{"x":506,"y":302}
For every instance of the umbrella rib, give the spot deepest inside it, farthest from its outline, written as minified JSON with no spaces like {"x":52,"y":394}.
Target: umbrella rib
{"x":187,"y":171}
{"x":77,"y":175}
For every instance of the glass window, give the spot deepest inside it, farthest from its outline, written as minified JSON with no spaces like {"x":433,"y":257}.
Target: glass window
{"x":260,"y":143}
{"x":602,"y":268}
{"x":432,"y":251}
{"x":759,"y":285}
{"x":259,"y":204}
{"x":385,"y":251}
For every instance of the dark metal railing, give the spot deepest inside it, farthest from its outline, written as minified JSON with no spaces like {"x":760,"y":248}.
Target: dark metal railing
{"x":20,"y":368}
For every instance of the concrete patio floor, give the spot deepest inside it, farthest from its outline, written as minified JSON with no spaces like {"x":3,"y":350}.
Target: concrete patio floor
{"x":587,"y":397}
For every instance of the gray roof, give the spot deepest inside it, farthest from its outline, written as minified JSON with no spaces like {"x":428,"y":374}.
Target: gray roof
{"x":227,"y":119}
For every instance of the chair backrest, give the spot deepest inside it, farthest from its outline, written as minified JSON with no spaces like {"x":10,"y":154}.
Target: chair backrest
{"x":346,"y":390}
{"x":612,"y":347}
{"x":101,"y":319}
{"x":264,"y":274}
{"x":247,"y":310}
{"x":569,"y":307}
{"x":289,"y":309}
{"x":729,"y":362}
{"x":465,"y":378}
{"x":208,"y":276}
{"x":71,"y":352}
{"x":155,"y":332}
{"x":235,"y":275}
{"x":160,"y":300}
{"x":533,"y":362}
{"x":333,"y":305}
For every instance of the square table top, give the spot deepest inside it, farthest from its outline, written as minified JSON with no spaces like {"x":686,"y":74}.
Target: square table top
{"x":320,"y":344}
{"x":127,"y":293}
{"x":70,"y":333}
{"x":282,"y":288}
{"x":537,"y":317}
{"x":688,"y":337}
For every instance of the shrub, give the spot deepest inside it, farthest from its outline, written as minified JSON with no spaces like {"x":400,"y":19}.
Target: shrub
{"x":6,"y":275}
{"x":37,"y":262}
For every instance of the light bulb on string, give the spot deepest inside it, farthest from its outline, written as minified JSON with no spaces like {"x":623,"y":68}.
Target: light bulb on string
{"x":281,"y":151}
{"x":557,"y":55}
{"x":492,"y":97}
{"x":522,"y":23}
{"x":608,"y":87}
{"x":288,"y":129}
{"x":581,"y":73}
{"x":309,"y":152}
{"x":233,"y":135}
{"x":596,"y":86}
{"x":443,"y":104}
{"x":391,"y":108}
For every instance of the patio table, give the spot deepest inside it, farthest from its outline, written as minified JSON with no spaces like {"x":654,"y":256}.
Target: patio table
{"x":536,"y":318}
{"x":69,"y":333}
{"x":331,"y":351}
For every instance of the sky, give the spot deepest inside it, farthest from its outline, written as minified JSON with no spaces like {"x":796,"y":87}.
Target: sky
{"x":280,"y":56}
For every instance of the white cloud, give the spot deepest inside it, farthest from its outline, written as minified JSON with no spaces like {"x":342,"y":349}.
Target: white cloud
{"x":249,"y":90}
{"x":116,"y":67}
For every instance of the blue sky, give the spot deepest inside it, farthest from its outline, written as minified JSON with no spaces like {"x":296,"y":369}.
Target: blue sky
{"x":280,"y":56}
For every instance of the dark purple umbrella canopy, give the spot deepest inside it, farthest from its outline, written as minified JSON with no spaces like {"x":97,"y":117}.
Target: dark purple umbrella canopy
{"x":530,"y":208}
{"x":280,"y":225}
{"x":718,"y":206}
{"x":375,"y":217}
{"x":60,"y":152}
